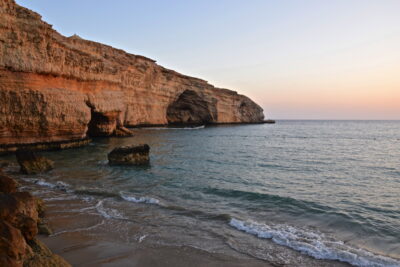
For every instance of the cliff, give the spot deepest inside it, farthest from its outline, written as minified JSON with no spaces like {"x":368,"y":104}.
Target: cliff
{"x":55,"y":88}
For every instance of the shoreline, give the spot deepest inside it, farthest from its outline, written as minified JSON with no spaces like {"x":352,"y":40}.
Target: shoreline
{"x":83,"y":239}
{"x":9,"y":148}
{"x":98,"y":248}
{"x":95,"y":231}
{"x":83,"y":251}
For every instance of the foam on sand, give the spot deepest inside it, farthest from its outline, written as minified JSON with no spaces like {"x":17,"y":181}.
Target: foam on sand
{"x":313,"y":244}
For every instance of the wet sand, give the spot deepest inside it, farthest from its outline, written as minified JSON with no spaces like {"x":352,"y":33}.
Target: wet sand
{"x":100,"y":247}
{"x":84,"y":237}
{"x":82,"y":251}
{"x":88,"y":239}
{"x":85,"y":252}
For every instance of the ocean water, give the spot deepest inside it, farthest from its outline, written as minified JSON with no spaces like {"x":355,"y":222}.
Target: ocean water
{"x":287,"y":193}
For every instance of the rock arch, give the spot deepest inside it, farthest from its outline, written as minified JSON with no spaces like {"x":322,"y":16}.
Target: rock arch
{"x":190,"y":109}
{"x":102,"y":123}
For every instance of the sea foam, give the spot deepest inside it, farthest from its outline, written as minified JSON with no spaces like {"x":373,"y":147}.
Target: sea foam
{"x":313,"y":244}
{"x":108,"y":213}
{"x":147,"y":200}
{"x":57,"y":185}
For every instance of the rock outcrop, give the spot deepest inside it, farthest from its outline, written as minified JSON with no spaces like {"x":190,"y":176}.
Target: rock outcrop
{"x":31,"y":163}
{"x":7,"y":184}
{"x":130,"y":155}
{"x":20,"y":214}
{"x":57,"y":89}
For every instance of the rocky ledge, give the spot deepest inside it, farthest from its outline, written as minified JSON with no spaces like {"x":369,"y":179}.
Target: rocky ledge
{"x":59,"y":89}
{"x":21,"y":217}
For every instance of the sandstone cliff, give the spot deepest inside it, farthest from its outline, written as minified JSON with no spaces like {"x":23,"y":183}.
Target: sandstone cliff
{"x":55,"y":88}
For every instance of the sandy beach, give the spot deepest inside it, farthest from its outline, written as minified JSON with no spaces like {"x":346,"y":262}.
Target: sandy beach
{"x":84,"y":237}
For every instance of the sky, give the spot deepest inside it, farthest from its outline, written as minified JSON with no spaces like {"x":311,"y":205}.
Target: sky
{"x":298,"y":59}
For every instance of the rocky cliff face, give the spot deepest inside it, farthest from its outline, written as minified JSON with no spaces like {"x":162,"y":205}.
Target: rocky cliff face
{"x":55,"y":88}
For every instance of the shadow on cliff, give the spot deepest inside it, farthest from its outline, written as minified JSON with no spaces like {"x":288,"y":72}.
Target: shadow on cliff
{"x":191,"y":109}
{"x":106,"y":123}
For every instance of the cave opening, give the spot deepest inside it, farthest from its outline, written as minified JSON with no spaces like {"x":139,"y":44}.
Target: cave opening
{"x":189,"y":109}
{"x":101,"y":124}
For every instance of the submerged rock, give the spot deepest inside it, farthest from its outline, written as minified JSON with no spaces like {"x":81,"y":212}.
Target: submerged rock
{"x":130,"y":155}
{"x":31,"y":163}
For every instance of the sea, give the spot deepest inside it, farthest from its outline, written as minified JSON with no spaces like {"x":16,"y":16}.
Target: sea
{"x":286,"y":193}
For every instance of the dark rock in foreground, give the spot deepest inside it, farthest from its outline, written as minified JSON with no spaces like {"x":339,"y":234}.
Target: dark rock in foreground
{"x":130,"y":155}
{"x":20,"y":216}
{"x":4,"y":163}
{"x":31,"y":163}
{"x":7,"y":184}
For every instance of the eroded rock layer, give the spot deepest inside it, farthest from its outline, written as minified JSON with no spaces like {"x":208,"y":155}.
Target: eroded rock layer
{"x":55,"y":88}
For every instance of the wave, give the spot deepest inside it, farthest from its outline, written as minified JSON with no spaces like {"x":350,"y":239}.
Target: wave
{"x":290,"y":205}
{"x":142,"y":238}
{"x":314,"y":244}
{"x":60,"y":198}
{"x":147,"y":200}
{"x":108,"y":213}
{"x":95,"y":192}
{"x":57,"y":185}
{"x":92,"y":192}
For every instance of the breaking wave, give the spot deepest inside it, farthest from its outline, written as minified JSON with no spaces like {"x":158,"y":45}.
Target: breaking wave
{"x":108,"y":213}
{"x":57,"y":185}
{"x":147,"y":200}
{"x":314,"y":244}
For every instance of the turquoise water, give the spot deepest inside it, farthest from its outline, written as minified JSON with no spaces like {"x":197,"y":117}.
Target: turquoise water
{"x":325,"y":189}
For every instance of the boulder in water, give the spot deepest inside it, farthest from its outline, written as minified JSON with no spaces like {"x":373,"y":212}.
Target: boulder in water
{"x":31,"y":163}
{"x":130,"y":155}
